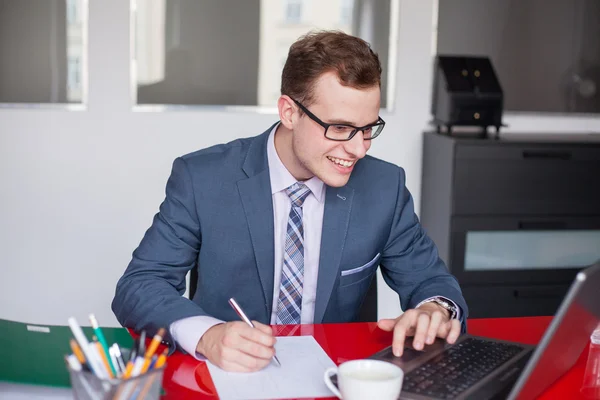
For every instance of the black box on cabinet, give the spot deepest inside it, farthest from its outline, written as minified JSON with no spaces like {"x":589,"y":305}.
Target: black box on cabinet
{"x":466,"y":92}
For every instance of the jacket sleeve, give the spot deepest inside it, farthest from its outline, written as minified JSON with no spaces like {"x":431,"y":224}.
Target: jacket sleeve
{"x":410,"y":262}
{"x":149,"y":294}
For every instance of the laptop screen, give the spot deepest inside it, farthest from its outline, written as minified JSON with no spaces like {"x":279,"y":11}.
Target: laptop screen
{"x":566,"y":337}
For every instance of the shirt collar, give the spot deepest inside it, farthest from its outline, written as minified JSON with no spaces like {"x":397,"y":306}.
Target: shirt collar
{"x":281,"y":178}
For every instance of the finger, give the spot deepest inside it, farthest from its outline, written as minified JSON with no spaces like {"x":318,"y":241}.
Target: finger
{"x":434,"y":325}
{"x":255,"y":349}
{"x":242,"y":362}
{"x":444,"y":329}
{"x":454,"y":331}
{"x":403,"y":324}
{"x":257,"y":335}
{"x":263,"y":328}
{"x":423,"y":321}
{"x":386,"y":324}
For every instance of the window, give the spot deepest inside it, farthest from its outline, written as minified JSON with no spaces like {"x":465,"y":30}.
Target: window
{"x":347,"y":8}
{"x":73,"y":73}
{"x":546,"y":53}
{"x":41,"y":51}
{"x":293,"y":11}
{"x":72,"y":11}
{"x":197,"y":52}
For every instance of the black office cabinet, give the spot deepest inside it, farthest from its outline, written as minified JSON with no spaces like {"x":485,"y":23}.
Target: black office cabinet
{"x":514,"y":218}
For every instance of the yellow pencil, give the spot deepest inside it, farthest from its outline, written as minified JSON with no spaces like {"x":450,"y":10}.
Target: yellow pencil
{"x":103,"y":358}
{"x":147,"y":362}
{"x":155,"y":342}
{"x":161,"y":359}
{"x":77,"y":351}
{"x":128,"y":370}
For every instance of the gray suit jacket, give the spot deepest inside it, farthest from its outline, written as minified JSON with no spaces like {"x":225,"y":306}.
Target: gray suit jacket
{"x":218,"y":216}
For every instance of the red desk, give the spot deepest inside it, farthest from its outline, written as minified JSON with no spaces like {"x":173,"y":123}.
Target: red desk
{"x":187,"y":378}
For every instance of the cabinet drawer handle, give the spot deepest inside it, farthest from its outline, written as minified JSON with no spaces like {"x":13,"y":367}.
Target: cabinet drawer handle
{"x":544,"y":155}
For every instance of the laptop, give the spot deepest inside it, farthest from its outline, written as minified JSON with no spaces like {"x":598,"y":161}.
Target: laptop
{"x":482,"y":368}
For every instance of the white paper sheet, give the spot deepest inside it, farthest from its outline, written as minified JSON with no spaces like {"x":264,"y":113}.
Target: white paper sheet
{"x":303,"y":363}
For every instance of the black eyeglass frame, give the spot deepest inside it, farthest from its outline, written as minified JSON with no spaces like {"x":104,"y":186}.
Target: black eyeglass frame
{"x":355,"y":129}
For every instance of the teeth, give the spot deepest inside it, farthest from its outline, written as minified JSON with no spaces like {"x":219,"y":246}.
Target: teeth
{"x":341,"y":162}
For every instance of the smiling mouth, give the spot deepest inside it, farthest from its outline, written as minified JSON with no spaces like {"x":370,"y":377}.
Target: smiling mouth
{"x":341,"y":162}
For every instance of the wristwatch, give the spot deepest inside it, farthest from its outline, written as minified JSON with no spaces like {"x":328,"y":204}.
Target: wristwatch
{"x":444,"y":304}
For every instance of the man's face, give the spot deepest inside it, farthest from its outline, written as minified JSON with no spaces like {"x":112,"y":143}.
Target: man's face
{"x":329,"y":160}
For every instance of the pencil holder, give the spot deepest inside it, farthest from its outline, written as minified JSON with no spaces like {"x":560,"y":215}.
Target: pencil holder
{"x":87,"y":386}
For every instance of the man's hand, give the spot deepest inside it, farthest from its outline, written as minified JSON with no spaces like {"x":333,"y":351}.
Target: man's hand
{"x":237,"y":347}
{"x":424,"y":323}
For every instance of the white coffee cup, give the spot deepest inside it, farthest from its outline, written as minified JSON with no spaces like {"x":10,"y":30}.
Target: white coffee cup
{"x":366,"y":379}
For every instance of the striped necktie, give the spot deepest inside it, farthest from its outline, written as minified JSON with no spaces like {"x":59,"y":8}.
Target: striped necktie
{"x":289,"y":303}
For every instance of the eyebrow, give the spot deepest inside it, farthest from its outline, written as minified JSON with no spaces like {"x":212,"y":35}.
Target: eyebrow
{"x":344,"y":122}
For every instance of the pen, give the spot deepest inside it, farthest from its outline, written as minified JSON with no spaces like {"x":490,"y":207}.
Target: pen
{"x":137,"y":366}
{"x":113,"y":359}
{"x":142,"y":344}
{"x":134,"y":350}
{"x":244,"y":318}
{"x":103,"y":343}
{"x":85,"y":347}
{"x":153,"y":362}
{"x":119,"y":357}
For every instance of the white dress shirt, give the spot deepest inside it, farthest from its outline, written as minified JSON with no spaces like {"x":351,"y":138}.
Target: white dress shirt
{"x":188,"y":331}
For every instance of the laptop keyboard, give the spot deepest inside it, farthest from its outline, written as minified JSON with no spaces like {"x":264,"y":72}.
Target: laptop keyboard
{"x":458,"y":368}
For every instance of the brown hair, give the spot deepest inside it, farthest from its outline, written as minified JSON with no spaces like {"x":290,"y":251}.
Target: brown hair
{"x":351,"y":58}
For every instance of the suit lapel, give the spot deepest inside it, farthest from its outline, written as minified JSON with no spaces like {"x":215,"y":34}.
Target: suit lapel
{"x":255,"y":193}
{"x":336,"y":217}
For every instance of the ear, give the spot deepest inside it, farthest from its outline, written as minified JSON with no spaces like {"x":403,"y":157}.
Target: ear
{"x":287,"y":111}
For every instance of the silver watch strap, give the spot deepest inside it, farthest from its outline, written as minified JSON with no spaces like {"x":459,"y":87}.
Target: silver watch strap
{"x":443,"y":303}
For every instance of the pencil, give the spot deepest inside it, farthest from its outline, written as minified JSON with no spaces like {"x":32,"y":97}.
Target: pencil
{"x":104,"y":359}
{"x":128,"y":369}
{"x":155,"y":342}
{"x":146,"y":365}
{"x":77,"y":351}
{"x":161,"y":359}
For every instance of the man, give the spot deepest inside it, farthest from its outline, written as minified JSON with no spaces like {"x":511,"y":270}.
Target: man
{"x":292,"y":223}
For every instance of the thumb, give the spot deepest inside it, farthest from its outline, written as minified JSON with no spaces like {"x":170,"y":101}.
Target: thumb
{"x":386,"y":324}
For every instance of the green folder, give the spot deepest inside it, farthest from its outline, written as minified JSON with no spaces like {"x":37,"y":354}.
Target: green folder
{"x":31,"y":353}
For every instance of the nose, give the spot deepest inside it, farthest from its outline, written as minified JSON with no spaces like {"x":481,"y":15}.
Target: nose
{"x":357,"y":146}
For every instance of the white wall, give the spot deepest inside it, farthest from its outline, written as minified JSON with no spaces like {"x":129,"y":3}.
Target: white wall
{"x":78,"y":189}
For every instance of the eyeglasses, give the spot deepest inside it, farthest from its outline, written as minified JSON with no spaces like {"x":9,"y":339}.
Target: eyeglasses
{"x":344,"y":132}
